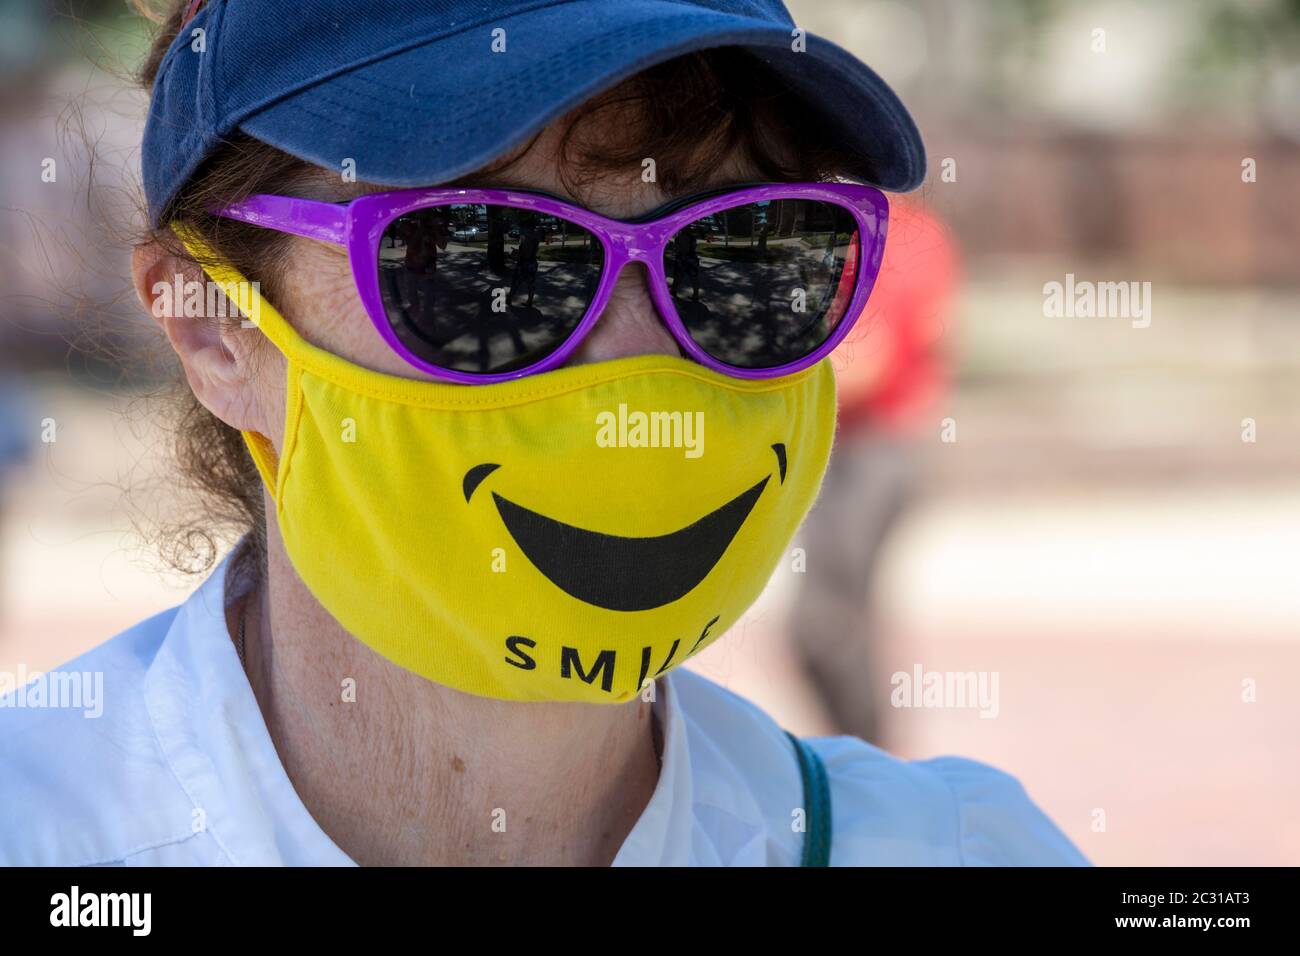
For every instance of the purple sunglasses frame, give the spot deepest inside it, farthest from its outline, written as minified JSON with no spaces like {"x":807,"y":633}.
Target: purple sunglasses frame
{"x":358,"y":227}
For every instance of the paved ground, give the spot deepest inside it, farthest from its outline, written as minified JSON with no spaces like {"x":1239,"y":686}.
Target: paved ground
{"x":1137,"y":715}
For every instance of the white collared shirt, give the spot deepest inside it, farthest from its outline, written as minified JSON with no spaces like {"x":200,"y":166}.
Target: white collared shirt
{"x":177,"y":768}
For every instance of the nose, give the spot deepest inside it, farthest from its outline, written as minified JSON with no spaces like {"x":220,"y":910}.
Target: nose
{"x":628,"y":325}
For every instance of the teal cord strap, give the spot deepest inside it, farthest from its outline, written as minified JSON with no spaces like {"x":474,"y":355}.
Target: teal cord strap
{"x":817,"y":804}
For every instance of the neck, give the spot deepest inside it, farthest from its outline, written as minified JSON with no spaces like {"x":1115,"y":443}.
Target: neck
{"x":398,"y":770}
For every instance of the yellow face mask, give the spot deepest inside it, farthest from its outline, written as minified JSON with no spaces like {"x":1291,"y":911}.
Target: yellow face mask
{"x":568,"y":536}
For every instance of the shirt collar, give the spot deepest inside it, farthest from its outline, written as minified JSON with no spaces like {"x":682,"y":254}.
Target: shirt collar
{"x":662,"y":834}
{"x":217,"y":745}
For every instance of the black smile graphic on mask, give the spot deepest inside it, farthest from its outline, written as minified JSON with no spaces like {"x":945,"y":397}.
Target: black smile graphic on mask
{"x":621,"y":573}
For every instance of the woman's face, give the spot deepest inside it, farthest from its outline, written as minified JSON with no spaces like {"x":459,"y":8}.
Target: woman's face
{"x":318,"y":296}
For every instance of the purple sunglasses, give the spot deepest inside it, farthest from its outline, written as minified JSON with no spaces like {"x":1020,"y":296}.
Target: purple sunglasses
{"x":754,"y":281}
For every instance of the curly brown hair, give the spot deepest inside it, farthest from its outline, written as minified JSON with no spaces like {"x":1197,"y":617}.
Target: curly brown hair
{"x":690,"y":113}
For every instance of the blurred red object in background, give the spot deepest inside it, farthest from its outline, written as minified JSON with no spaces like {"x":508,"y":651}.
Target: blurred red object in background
{"x":892,"y":369}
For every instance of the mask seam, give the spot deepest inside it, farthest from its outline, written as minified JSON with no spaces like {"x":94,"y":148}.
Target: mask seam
{"x":293,"y":425}
{"x":443,"y":404}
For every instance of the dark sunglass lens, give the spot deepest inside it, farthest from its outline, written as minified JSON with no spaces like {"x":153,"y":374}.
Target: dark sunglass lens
{"x":764,"y":284}
{"x":485,"y":289}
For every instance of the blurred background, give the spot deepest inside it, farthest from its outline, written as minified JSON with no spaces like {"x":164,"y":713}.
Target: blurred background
{"x":1097,"y":515}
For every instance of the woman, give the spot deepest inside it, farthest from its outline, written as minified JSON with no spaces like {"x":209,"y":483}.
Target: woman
{"x":472,"y":561}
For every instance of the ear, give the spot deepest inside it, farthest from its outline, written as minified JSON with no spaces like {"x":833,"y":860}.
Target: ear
{"x":216,"y":356}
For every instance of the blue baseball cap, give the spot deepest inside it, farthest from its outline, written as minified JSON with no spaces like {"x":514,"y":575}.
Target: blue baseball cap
{"x":415,"y":94}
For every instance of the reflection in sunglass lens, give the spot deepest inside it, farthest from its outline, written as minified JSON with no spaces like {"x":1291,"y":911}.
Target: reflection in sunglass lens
{"x":485,"y":289}
{"x":767,"y":283}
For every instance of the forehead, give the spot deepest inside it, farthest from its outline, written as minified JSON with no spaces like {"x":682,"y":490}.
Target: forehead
{"x":540,"y":164}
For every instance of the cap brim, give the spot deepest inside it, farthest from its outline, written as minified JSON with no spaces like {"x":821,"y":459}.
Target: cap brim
{"x":438,"y":111}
